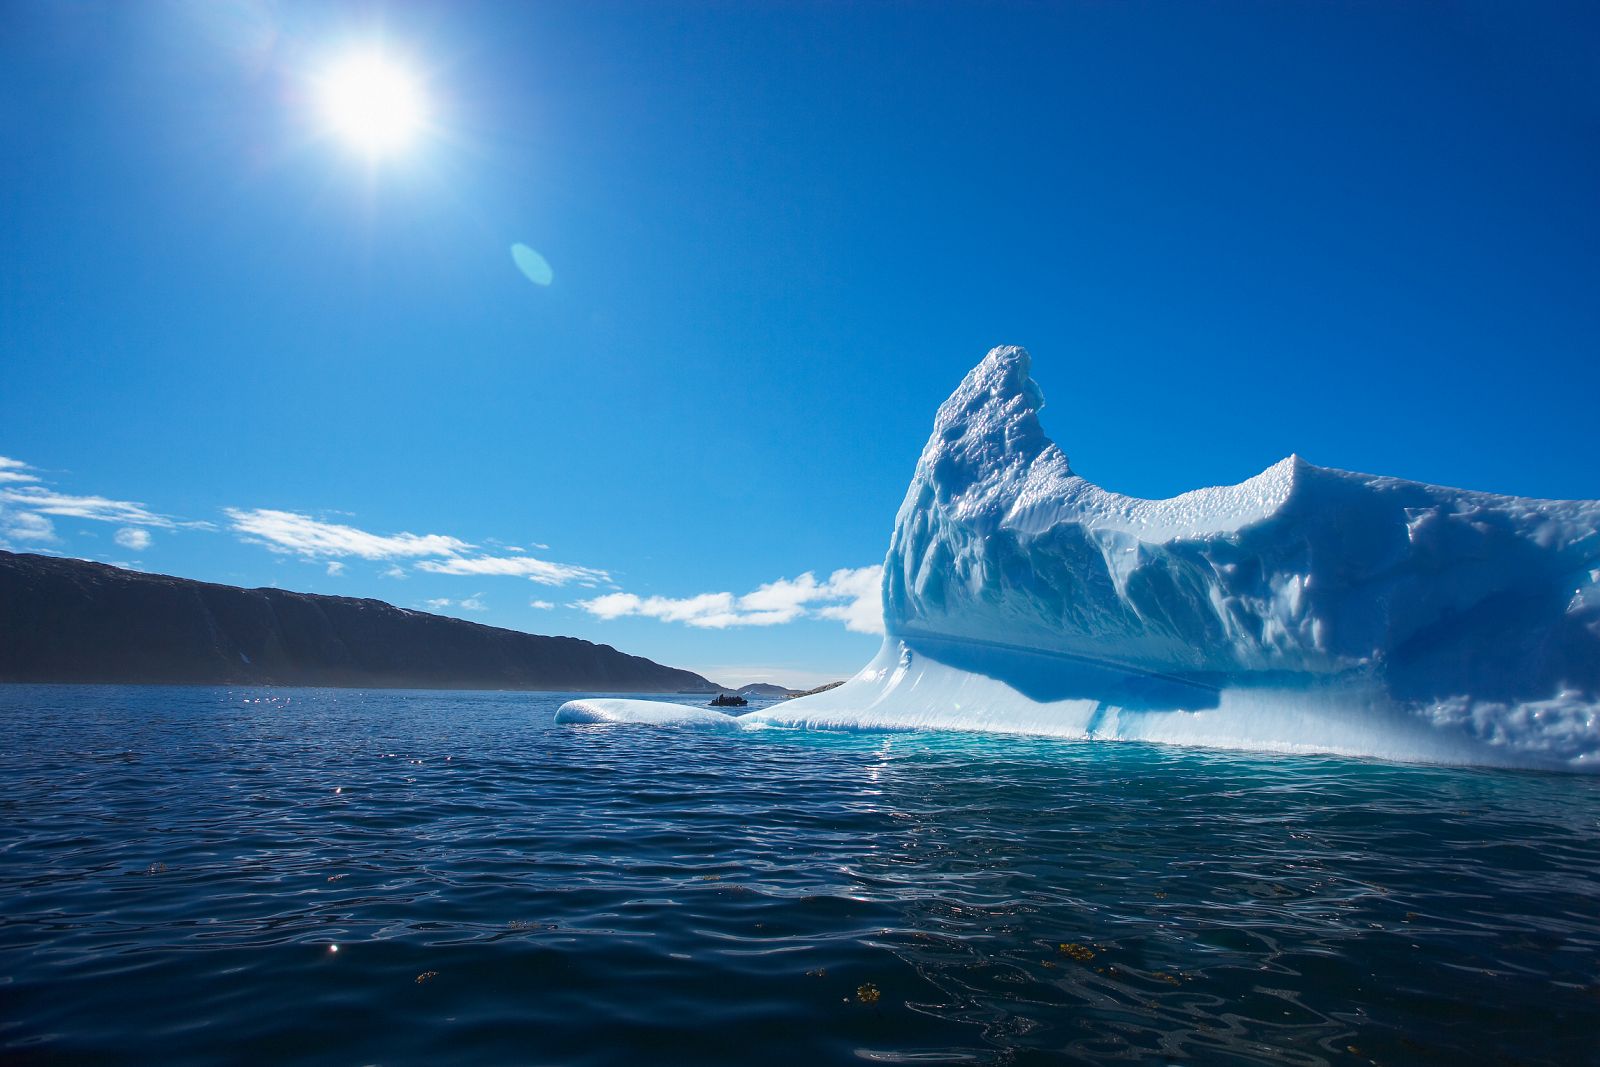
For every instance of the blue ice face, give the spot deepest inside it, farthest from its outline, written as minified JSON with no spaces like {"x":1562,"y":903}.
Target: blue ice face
{"x":1476,"y":612}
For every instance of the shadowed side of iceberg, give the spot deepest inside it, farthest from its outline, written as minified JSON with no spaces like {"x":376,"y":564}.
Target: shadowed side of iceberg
{"x":905,"y":689}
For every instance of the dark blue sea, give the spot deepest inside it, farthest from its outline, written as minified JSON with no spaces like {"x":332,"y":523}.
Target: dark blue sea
{"x":199,"y":876}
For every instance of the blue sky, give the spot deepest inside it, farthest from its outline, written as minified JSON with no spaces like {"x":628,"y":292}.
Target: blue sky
{"x":778,"y":236}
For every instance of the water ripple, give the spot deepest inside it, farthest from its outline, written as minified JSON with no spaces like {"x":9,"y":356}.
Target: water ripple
{"x":204,"y":875}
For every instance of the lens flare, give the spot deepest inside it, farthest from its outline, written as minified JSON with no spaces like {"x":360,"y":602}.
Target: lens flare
{"x":532,"y":264}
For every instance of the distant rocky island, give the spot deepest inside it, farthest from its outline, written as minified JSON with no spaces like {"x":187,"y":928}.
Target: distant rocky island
{"x":67,"y":620}
{"x":765,"y":690}
{"x":821,"y":689}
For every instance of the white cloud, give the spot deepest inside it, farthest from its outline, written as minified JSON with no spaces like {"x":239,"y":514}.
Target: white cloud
{"x":292,"y":532}
{"x":438,"y":604}
{"x":288,"y":531}
{"x":133,"y":538}
{"x":99,"y":508}
{"x":542,"y":571}
{"x":783,"y":597}
{"x":24,"y":503}
{"x":688,"y":609}
{"x":542,"y":605}
{"x":14,"y":470}
{"x":850,"y":595}
{"x":25,"y":526}
{"x":860,"y":589}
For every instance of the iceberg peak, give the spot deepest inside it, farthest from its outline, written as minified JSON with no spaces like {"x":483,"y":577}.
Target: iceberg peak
{"x":987,"y":437}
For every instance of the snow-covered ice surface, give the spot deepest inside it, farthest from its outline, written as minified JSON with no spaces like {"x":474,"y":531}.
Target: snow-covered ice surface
{"x":1303,"y":610}
{"x":654,"y":712}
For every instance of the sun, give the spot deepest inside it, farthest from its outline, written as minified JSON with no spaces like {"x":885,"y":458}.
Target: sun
{"x":372,"y":103}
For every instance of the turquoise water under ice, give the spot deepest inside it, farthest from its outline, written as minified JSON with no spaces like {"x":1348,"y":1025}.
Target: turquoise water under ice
{"x":176,"y":865}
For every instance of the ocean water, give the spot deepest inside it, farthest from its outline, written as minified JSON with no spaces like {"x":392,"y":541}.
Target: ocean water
{"x":177,"y":866}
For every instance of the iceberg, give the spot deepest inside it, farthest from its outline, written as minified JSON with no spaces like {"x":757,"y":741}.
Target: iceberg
{"x":1306,"y":609}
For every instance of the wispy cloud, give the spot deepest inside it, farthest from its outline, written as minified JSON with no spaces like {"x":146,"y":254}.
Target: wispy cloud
{"x":475,"y":602}
{"x":291,"y":532}
{"x":45,"y":501}
{"x":133,"y":538}
{"x":542,"y":571}
{"x":14,"y":470}
{"x":26,"y":505}
{"x":850,"y":595}
{"x":542,"y":605}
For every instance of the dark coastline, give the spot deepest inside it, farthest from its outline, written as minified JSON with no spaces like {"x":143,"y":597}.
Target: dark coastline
{"x":72,"y":621}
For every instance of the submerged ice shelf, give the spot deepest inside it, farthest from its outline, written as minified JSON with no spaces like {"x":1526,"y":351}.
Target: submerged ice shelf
{"x":1306,"y":609}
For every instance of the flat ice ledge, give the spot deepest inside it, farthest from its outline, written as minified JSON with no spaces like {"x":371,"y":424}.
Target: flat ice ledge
{"x":904,"y":690}
{"x":649,"y":712}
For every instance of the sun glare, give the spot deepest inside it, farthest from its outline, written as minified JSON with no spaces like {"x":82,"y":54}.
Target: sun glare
{"x":373,"y":104}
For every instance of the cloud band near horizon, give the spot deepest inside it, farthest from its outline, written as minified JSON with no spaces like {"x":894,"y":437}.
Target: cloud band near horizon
{"x":849,"y":595}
